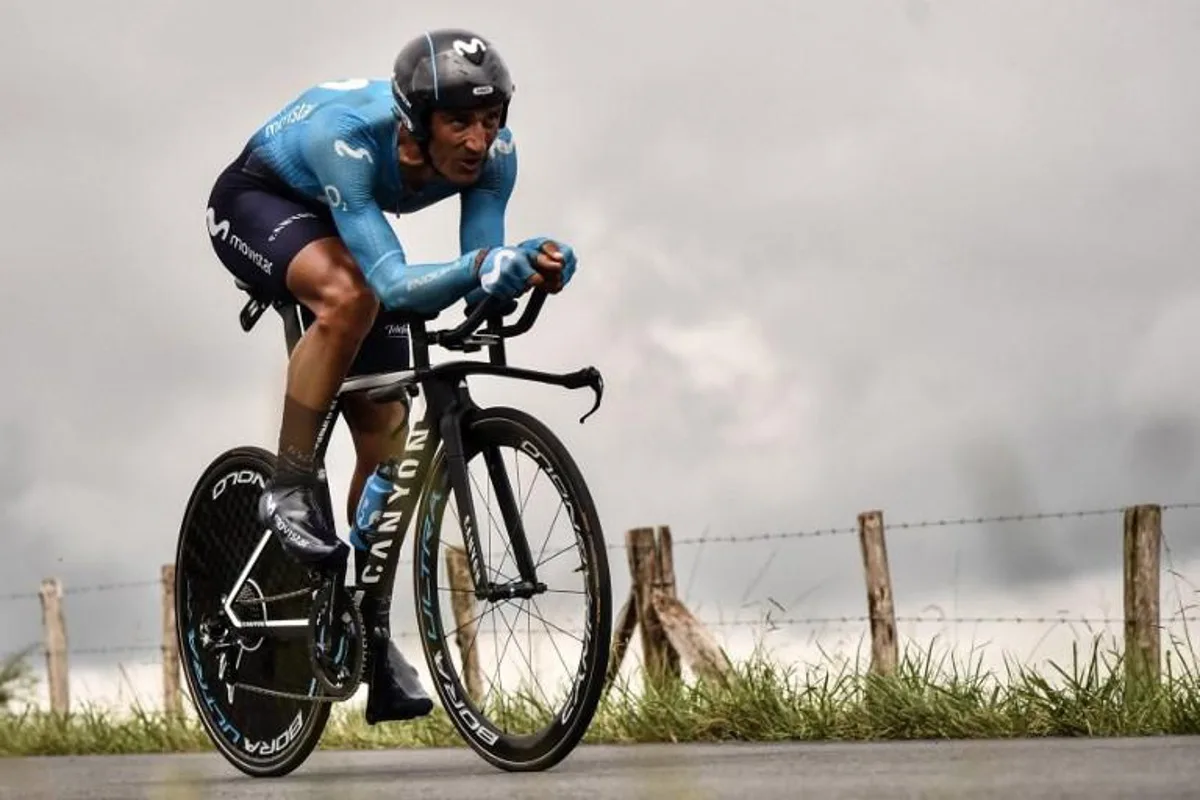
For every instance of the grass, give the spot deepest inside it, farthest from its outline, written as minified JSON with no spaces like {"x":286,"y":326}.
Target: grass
{"x":929,"y":696}
{"x":16,"y":677}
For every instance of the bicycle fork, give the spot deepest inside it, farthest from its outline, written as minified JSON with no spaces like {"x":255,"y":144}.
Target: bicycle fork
{"x":456,"y":463}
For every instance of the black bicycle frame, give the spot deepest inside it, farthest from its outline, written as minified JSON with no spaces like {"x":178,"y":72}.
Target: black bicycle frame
{"x":448,"y":409}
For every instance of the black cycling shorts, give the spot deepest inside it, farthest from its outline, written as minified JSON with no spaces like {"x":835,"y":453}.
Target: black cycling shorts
{"x":257,"y":225}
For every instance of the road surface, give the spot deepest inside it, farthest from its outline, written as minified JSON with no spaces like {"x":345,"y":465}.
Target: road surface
{"x":1093,"y":768}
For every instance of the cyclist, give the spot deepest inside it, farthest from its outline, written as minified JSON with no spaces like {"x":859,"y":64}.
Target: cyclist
{"x":299,"y":214}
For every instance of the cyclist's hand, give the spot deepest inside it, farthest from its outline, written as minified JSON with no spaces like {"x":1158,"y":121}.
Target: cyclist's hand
{"x":554,"y":262}
{"x":506,"y":272}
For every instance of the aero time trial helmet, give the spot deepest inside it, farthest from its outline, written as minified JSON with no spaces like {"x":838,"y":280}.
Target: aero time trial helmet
{"x":450,"y":68}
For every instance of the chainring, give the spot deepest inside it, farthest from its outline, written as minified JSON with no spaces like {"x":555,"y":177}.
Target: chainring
{"x":337,"y":646}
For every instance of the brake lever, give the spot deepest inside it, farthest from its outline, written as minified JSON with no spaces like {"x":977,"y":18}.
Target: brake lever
{"x":593,"y":379}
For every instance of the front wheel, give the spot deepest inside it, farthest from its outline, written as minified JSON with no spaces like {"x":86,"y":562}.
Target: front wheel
{"x":495,"y":681}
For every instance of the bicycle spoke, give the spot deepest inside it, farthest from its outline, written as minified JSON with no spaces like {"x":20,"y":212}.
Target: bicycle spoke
{"x":492,"y":518}
{"x":529,"y":662}
{"x":546,"y":624}
{"x":500,"y":656}
{"x":469,"y":622}
{"x":550,"y":624}
{"x":546,"y":541}
{"x":556,"y":555}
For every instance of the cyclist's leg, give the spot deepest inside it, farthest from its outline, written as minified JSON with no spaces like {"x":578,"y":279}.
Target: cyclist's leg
{"x":324,"y":277}
{"x":291,"y":251}
{"x":379,"y":430}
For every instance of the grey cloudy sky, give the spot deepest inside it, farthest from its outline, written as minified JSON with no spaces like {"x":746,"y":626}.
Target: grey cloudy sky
{"x":933,"y":258}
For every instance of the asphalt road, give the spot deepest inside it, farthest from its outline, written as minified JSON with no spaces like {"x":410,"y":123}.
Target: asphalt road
{"x":1061,"y":768}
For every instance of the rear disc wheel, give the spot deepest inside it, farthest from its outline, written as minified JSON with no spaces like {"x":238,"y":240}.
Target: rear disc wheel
{"x":262,"y":735}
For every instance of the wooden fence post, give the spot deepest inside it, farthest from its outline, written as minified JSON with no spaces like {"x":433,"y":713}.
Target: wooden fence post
{"x":686,"y":636}
{"x":1143,"y":540}
{"x":880,"y":608}
{"x":55,"y":631}
{"x":462,"y":600}
{"x":170,"y":643}
{"x":662,"y":592}
{"x":643,"y":553}
{"x":670,"y":633}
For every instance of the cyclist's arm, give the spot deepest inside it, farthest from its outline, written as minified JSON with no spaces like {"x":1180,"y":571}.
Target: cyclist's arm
{"x":481,"y":223}
{"x":344,"y":163}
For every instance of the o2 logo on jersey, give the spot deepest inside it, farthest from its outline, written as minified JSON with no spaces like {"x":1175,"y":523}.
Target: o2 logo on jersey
{"x":333,"y":196}
{"x":473,"y":50}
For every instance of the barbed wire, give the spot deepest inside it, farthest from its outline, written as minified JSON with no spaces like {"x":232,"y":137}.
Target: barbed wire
{"x":1029,"y":517}
{"x":88,"y":589}
{"x":108,"y":649}
{"x":40,"y":649}
{"x":1015,"y":620}
{"x":730,"y":539}
{"x":111,"y":587}
{"x":768,"y":622}
{"x":914,"y":525}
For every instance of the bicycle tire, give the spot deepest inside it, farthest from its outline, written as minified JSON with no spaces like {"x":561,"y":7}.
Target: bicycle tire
{"x":497,"y":425}
{"x":218,"y":535}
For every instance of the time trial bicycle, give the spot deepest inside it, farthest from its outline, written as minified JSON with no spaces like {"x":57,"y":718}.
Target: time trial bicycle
{"x":268,"y":645}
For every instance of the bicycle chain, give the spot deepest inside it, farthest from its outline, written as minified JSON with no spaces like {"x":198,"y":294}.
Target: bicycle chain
{"x":249,"y":687}
{"x":275,"y":598}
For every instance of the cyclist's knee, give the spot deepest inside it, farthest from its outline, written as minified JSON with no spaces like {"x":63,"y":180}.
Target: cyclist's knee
{"x":368,"y":418}
{"x":348,"y":306}
{"x":325,"y":278}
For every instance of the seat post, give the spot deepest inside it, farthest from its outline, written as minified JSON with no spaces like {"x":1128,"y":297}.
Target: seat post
{"x":293,"y":328}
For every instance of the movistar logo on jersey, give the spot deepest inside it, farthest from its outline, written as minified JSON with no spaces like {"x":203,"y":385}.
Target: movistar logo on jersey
{"x":501,"y":146}
{"x":346,"y":151}
{"x":296,"y":113}
{"x":493,"y":267}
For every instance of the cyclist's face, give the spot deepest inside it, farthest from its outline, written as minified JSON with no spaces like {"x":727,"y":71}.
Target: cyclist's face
{"x":461,"y":139}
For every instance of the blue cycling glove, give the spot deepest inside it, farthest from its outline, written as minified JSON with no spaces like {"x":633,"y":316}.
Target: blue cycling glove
{"x":505,"y":272}
{"x":533,"y":247}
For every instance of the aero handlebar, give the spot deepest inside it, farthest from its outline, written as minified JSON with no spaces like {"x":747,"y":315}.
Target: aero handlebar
{"x":491,"y":308}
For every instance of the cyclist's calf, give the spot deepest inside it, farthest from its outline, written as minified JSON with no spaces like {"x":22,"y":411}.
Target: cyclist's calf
{"x":378,"y":431}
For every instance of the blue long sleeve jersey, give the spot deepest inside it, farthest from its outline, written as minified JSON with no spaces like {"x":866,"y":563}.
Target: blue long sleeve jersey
{"x":337,"y":144}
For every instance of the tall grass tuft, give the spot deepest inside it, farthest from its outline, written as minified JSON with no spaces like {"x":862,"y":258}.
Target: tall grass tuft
{"x":16,"y":678}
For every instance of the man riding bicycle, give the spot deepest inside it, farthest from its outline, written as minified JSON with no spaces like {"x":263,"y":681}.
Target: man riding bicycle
{"x":299,"y":215}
